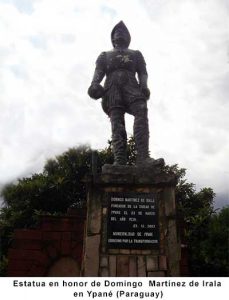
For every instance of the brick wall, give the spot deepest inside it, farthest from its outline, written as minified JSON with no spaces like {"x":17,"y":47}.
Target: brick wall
{"x":34,"y":251}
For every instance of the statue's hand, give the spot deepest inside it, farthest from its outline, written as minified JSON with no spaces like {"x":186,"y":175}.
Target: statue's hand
{"x":146,"y":92}
{"x":96,"y":91}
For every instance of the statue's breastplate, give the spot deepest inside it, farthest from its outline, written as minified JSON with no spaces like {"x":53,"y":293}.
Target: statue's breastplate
{"x":120,"y":60}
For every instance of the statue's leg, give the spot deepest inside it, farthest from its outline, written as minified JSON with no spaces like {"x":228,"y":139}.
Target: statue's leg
{"x":119,"y":136}
{"x":141,"y":129}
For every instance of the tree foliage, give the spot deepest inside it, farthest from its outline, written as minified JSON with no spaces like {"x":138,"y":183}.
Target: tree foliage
{"x":209,"y":244}
{"x":203,"y":230}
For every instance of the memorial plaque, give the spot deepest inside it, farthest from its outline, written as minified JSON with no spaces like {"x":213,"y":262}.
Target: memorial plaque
{"x":132,"y":221}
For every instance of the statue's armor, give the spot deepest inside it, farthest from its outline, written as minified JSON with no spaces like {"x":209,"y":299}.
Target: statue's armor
{"x":121,"y":85}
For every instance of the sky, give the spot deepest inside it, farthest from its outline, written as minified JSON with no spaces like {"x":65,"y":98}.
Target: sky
{"x":48,"y":50}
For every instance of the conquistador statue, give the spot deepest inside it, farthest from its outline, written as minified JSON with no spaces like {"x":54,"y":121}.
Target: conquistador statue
{"x":123,"y":93}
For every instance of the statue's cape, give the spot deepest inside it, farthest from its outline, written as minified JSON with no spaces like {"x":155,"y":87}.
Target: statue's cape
{"x":121,"y":26}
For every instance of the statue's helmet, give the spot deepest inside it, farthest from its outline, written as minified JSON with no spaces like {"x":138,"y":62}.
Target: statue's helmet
{"x":123,"y":31}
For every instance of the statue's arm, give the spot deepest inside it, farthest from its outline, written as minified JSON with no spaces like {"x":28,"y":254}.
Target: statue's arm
{"x":142,"y":74}
{"x":98,"y":76}
{"x":95,"y":90}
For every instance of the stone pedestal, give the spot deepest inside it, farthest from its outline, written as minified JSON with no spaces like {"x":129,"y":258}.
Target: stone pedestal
{"x":100,"y":259}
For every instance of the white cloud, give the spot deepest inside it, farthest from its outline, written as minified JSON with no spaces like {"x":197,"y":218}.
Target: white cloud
{"x":47,"y":53}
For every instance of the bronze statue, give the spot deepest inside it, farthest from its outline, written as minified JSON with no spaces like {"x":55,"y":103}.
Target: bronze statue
{"x":123,"y":93}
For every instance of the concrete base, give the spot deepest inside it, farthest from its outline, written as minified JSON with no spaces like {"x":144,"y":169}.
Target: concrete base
{"x":98,"y":260}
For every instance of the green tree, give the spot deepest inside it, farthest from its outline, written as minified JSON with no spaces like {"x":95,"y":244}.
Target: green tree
{"x":210,"y":244}
{"x":203,"y":230}
{"x":58,"y":187}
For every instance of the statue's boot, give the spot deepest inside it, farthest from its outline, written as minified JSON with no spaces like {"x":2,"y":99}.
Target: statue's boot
{"x":141,"y":136}
{"x":119,"y":136}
